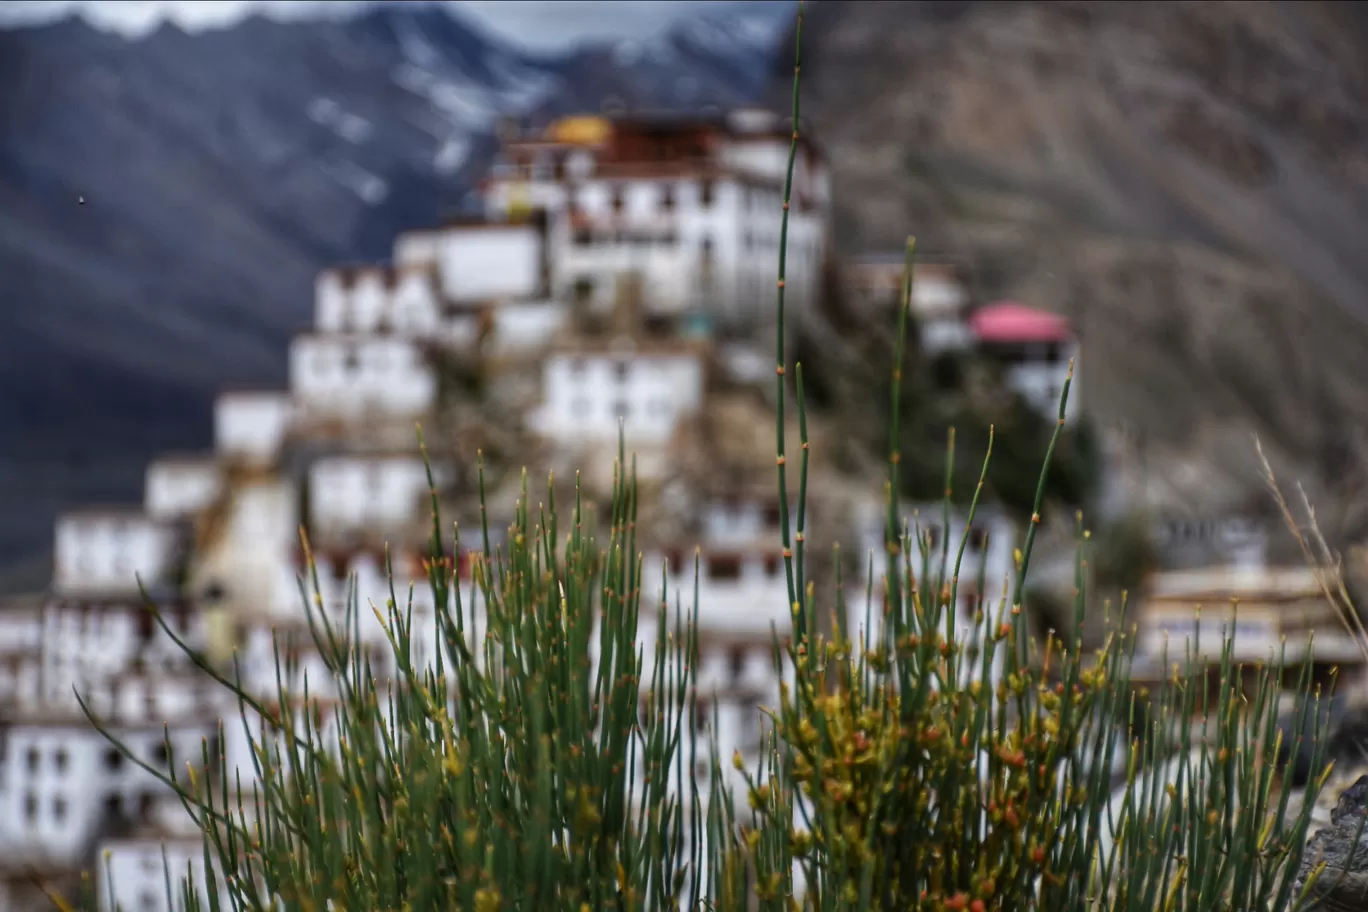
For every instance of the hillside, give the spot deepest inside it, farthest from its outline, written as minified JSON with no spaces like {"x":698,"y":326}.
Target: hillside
{"x":1188,"y":181}
{"x":165,"y":203}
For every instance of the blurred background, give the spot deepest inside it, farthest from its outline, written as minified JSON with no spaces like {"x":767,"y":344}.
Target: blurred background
{"x":1184,"y":180}
{"x":1185,"y":183}
{"x":225,"y":153}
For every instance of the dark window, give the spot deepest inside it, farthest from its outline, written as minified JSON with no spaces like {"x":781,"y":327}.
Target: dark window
{"x":214,"y":592}
{"x":705,"y":193}
{"x":114,"y":805}
{"x":724,"y":567}
{"x":160,"y":755}
{"x":113,"y":759}
{"x":351,"y":360}
{"x":59,"y":809}
{"x":738,"y":661}
{"x":583,"y":237}
{"x":771,"y":565}
{"x":621,"y":368}
{"x":676,"y":561}
{"x":558,"y":165}
{"x":33,"y":758}
{"x":617,"y":199}
{"x":61,"y":760}
{"x":31,"y":806}
{"x":667,"y":197}
{"x":977,"y":539}
{"x":933,"y":536}
{"x":945,"y":372}
{"x":147,"y":623}
{"x":584,"y":290}
{"x":772,"y":514}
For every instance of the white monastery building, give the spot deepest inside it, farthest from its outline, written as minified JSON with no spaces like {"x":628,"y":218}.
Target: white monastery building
{"x":1035,"y":348}
{"x":619,"y":260}
{"x":251,"y":426}
{"x":590,"y":390}
{"x":692,"y":206}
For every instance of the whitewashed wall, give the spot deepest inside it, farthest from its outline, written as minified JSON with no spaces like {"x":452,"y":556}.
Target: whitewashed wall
{"x":251,"y":426}
{"x":746,"y":603}
{"x":584,"y":396}
{"x":417,"y":249}
{"x":251,"y":558}
{"x":59,"y":782}
{"x":664,"y":245}
{"x":135,"y":872}
{"x":401,"y":299}
{"x":176,"y":488}
{"x":86,"y":644}
{"x":522,"y":328}
{"x":1041,"y":382}
{"x":21,"y":680}
{"x":375,"y":494}
{"x":107,"y":552}
{"x":492,"y":262}
{"x":350,"y":376}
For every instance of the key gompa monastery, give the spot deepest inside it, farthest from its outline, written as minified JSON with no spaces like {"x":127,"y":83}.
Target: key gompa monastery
{"x":621,"y":277}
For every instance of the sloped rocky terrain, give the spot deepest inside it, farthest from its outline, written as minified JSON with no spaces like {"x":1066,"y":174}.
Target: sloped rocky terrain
{"x":1188,"y":181}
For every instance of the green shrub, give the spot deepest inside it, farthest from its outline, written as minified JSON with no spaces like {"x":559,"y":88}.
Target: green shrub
{"x":895,"y":776}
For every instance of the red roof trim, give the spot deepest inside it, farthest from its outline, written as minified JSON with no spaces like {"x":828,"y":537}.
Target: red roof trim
{"x":1010,"y":321}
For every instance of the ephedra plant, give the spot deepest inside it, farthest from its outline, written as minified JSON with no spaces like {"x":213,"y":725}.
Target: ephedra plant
{"x":543,"y":760}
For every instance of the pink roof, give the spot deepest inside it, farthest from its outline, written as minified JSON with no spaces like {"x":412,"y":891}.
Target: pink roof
{"x":1009,"y":321}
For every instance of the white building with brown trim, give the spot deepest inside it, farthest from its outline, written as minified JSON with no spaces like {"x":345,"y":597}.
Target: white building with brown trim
{"x":1035,"y":348}
{"x":251,"y":426}
{"x":62,"y":783}
{"x":691,"y":206}
{"x":103,"y":551}
{"x":591,"y":388}
{"x":134,"y":867}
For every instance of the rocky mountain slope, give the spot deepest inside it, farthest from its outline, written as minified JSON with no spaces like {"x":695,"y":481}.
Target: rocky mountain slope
{"x":165,"y":203}
{"x":1186,"y":180}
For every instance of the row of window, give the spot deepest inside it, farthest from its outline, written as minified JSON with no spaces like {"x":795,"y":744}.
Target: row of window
{"x":582,"y":407}
{"x":665,"y":202}
{"x":622,"y":368}
{"x":667,"y":199}
{"x":113,"y":758}
{"x":351,"y":359}
{"x":723,"y":567}
{"x":414,"y":316}
{"x":122,"y":565}
{"x":977,"y":538}
{"x":113,"y":805}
